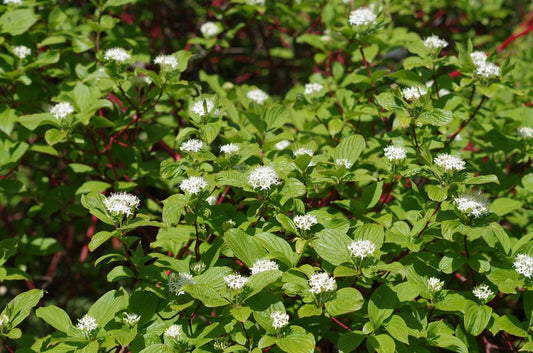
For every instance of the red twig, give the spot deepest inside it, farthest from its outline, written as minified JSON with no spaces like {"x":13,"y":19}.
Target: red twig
{"x":341,"y":324}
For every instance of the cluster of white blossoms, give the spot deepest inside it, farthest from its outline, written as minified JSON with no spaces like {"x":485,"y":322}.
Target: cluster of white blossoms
{"x":321,"y":282}
{"x":482,"y":292}
{"x":313,"y":87}
{"x":394,"y":153}
{"x":209,"y":29}
{"x":282,"y":145}
{"x":263,"y":177}
{"x":4,"y":320}
{"x":302,"y":151}
{"x":363,"y":16}
{"x":476,"y":205}
{"x":166,"y":61}
{"x":192,"y":145}
{"x":121,"y":203}
{"x":413,"y":93}
{"x":483,"y":67}
{"x":343,"y":162}
{"x":131,"y":319}
{"x":211,"y":200}
{"x":435,"y":43}
{"x":449,"y":162}
{"x":116,"y":54}
{"x":230,"y":148}
{"x":525,"y":132}
{"x":305,"y":222}
{"x":12,"y":2}
{"x":435,"y":284}
{"x":173,"y":331}
{"x":204,"y":107}
{"x":21,"y":51}
{"x":362,"y":248}
{"x":193,"y":185}
{"x":177,"y":280}
{"x":523,"y":264}
{"x":279,"y":319}
{"x":87,"y":324}
{"x":62,"y":110}
{"x":264,"y":265}
{"x":235,"y":281}
{"x":257,"y":95}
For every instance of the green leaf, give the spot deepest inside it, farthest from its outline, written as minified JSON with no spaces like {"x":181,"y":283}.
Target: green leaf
{"x":276,"y":116}
{"x":292,"y":188}
{"x":397,"y":328}
{"x":105,"y":308}
{"x":244,"y":246}
{"x":114,"y":3}
{"x":19,"y":308}
{"x":371,"y":194}
{"x":120,"y":273}
{"x":503,"y":206}
{"x":382,"y":343}
{"x":8,"y":248}
{"x":381,"y":305}
{"x":182,"y":57}
{"x":241,"y":313}
{"x":332,"y":246}
{"x":346,"y":301}
{"x":349,"y":341}
{"x":436,"y":117}
{"x":476,"y":317}
{"x":100,"y":238}
{"x":507,"y":280}
{"x":350,"y":148}
{"x":482,"y":179}
{"x":512,"y":325}
{"x":17,"y":21}
{"x":173,"y":208}
{"x":436,"y":193}
{"x":157,"y":348}
{"x":231,"y":178}
{"x":92,"y":186}
{"x":388,"y":101}
{"x":55,"y":317}
{"x":31,"y":122}
{"x":297,"y":341}
{"x":308,"y":310}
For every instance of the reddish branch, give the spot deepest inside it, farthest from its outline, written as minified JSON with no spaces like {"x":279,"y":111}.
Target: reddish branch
{"x":341,"y":324}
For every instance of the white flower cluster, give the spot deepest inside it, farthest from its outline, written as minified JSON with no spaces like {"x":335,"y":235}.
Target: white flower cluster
{"x":166,"y":61}
{"x":131,"y":319}
{"x":12,"y":2}
{"x":235,"y":281}
{"x":525,"y":132}
{"x":87,"y":323}
{"x":21,"y":51}
{"x":192,"y":145}
{"x":211,"y":200}
{"x":263,"y":177}
{"x":173,"y":331}
{"x":121,"y":203}
{"x":413,"y":93}
{"x":256,"y":2}
{"x":343,"y":162}
{"x":282,"y":145}
{"x":321,"y":282}
{"x":483,"y":67}
{"x":177,"y":280}
{"x":62,"y":110}
{"x":434,"y":284}
{"x":435,"y":43}
{"x":4,"y":320}
{"x":313,"y":87}
{"x":524,"y":265}
{"x":305,"y":222}
{"x":394,"y":153}
{"x":230,"y":148}
{"x":204,"y":107}
{"x":193,"y":185}
{"x":362,"y":17}
{"x":302,"y":151}
{"x":264,"y":265}
{"x":362,"y":248}
{"x":116,"y":54}
{"x":209,"y":29}
{"x":449,"y":162}
{"x":257,"y":95}
{"x":476,"y":205}
{"x":482,"y":292}
{"x":279,"y":319}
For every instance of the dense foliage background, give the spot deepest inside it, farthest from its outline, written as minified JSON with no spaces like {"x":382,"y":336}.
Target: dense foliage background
{"x":406,"y":286}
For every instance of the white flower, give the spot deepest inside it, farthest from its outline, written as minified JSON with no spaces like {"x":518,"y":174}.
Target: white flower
{"x":264,"y":265}
{"x":524,"y":265}
{"x":229,"y":148}
{"x":235,"y":281}
{"x":256,"y":2}
{"x":487,"y":70}
{"x":263,"y":177}
{"x":476,"y":205}
{"x":193,"y":185}
{"x":221,"y":343}
{"x":87,"y":323}
{"x":478,"y":57}
{"x":166,"y":61}
{"x":434,"y":43}
{"x":21,"y":51}
{"x":321,"y":282}
{"x":362,"y":248}
{"x":212,"y":200}
{"x":363,"y":16}
{"x":482,"y":292}
{"x":394,"y":153}
{"x":61,"y":110}
{"x":257,"y":96}
{"x":326,"y":36}
{"x":449,"y":162}
{"x":434,"y":284}
{"x":4,"y":320}
{"x":343,"y":162}
{"x":302,"y":151}
{"x":198,"y":267}
{"x":525,"y":132}
{"x":204,"y":107}
{"x":305,"y":222}
{"x":177,"y":281}
{"x":173,"y":331}
{"x":313,"y":87}
{"x":209,"y":29}
{"x":121,"y":203}
{"x":413,"y":93}
{"x":192,"y":145}
{"x":131,"y":319}
{"x":279,"y":319}
{"x":282,"y":145}
{"x":13,"y":2}
{"x":116,"y":54}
